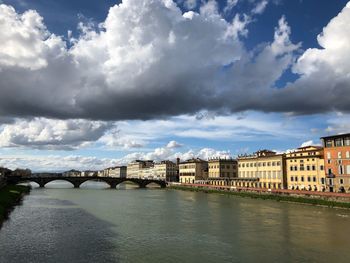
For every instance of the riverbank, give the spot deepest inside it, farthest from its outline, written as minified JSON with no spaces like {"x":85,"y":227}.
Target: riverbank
{"x":310,"y":200}
{"x":10,"y":196}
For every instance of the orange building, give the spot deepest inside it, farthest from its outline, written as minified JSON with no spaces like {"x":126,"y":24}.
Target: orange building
{"x":337,"y":162}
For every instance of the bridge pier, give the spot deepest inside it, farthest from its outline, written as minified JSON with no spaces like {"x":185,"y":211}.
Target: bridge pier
{"x":112,"y":185}
{"x":142,"y":185}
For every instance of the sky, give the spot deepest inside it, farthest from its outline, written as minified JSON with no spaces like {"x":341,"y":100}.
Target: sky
{"x":92,"y":84}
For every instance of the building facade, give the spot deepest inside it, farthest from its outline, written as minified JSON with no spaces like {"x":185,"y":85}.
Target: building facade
{"x":266,"y":166}
{"x":166,"y":170}
{"x":72,"y":173}
{"x":337,"y":162}
{"x":192,"y":170}
{"x":117,"y":172}
{"x":222,"y":168}
{"x":138,"y":168}
{"x":305,"y":169}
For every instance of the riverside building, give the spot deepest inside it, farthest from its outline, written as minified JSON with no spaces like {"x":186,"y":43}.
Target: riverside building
{"x":117,"y":172}
{"x":305,"y":169}
{"x":137,"y":168}
{"x":192,"y":170}
{"x":222,"y":168}
{"x":166,"y":170}
{"x":266,"y":166}
{"x":337,"y":162}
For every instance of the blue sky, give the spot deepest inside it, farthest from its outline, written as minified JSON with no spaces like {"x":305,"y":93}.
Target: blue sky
{"x":89,"y":84}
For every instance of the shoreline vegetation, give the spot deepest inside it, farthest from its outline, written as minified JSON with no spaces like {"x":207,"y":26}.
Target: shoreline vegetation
{"x":10,"y":196}
{"x":269,"y":196}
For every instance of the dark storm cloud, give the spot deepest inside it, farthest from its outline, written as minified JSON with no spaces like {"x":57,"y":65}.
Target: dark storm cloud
{"x":161,"y":62}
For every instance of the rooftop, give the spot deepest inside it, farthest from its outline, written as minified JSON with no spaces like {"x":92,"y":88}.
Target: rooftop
{"x":336,"y":136}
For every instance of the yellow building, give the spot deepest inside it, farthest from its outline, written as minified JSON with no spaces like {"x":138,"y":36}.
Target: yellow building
{"x":305,"y":169}
{"x":265,"y":165}
{"x":222,"y":168}
{"x":192,"y":170}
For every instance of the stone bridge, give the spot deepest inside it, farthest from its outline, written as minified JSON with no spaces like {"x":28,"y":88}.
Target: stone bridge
{"x":77,"y":181}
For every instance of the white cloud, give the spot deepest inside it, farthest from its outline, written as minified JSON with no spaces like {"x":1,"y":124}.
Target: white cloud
{"x":51,"y":134}
{"x":25,"y":41}
{"x":170,"y":153}
{"x":230,"y":4}
{"x":55,"y":162}
{"x":260,"y":7}
{"x":63,"y":163}
{"x":307,"y":143}
{"x":173,"y":144}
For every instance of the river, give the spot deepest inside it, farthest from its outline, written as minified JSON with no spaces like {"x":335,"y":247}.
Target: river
{"x":162,"y":225}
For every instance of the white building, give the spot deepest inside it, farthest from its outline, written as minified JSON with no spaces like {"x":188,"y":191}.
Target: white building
{"x":117,"y":171}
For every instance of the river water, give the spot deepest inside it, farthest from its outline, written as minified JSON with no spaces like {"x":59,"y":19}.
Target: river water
{"x":162,"y":225}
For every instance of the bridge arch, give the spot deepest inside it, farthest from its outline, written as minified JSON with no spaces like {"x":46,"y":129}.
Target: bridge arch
{"x":127,"y":181}
{"x":101,"y":183}
{"x":46,"y":183}
{"x":157,"y":182}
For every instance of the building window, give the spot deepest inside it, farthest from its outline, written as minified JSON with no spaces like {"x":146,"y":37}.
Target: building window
{"x":321,"y":167}
{"x":347,"y":141}
{"x":308,"y":179}
{"x":341,"y":169}
{"x":292,"y":178}
{"x":322,"y":180}
{"x":338,"y":142}
{"x":291,"y":168}
{"x":341,"y":181}
{"x":302,"y":179}
{"x":314,"y":179}
{"x":313,"y":168}
{"x":296,"y":178}
{"x":348,"y":169}
{"x":329,"y":143}
{"x":328,"y":155}
{"x":339,"y":155}
{"x":329,"y":171}
{"x":347,"y":154}
{"x":301,"y":167}
{"x":307,"y":167}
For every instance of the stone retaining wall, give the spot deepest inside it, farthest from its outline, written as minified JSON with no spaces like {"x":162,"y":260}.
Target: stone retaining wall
{"x":336,"y":197}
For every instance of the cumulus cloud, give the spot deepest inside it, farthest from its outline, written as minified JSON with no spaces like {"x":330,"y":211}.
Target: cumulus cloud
{"x":170,"y":153}
{"x":325,"y":76}
{"x":56,"y":163}
{"x":148,"y":60}
{"x":51,"y":134}
{"x":174,"y":144}
{"x":62,"y":163}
